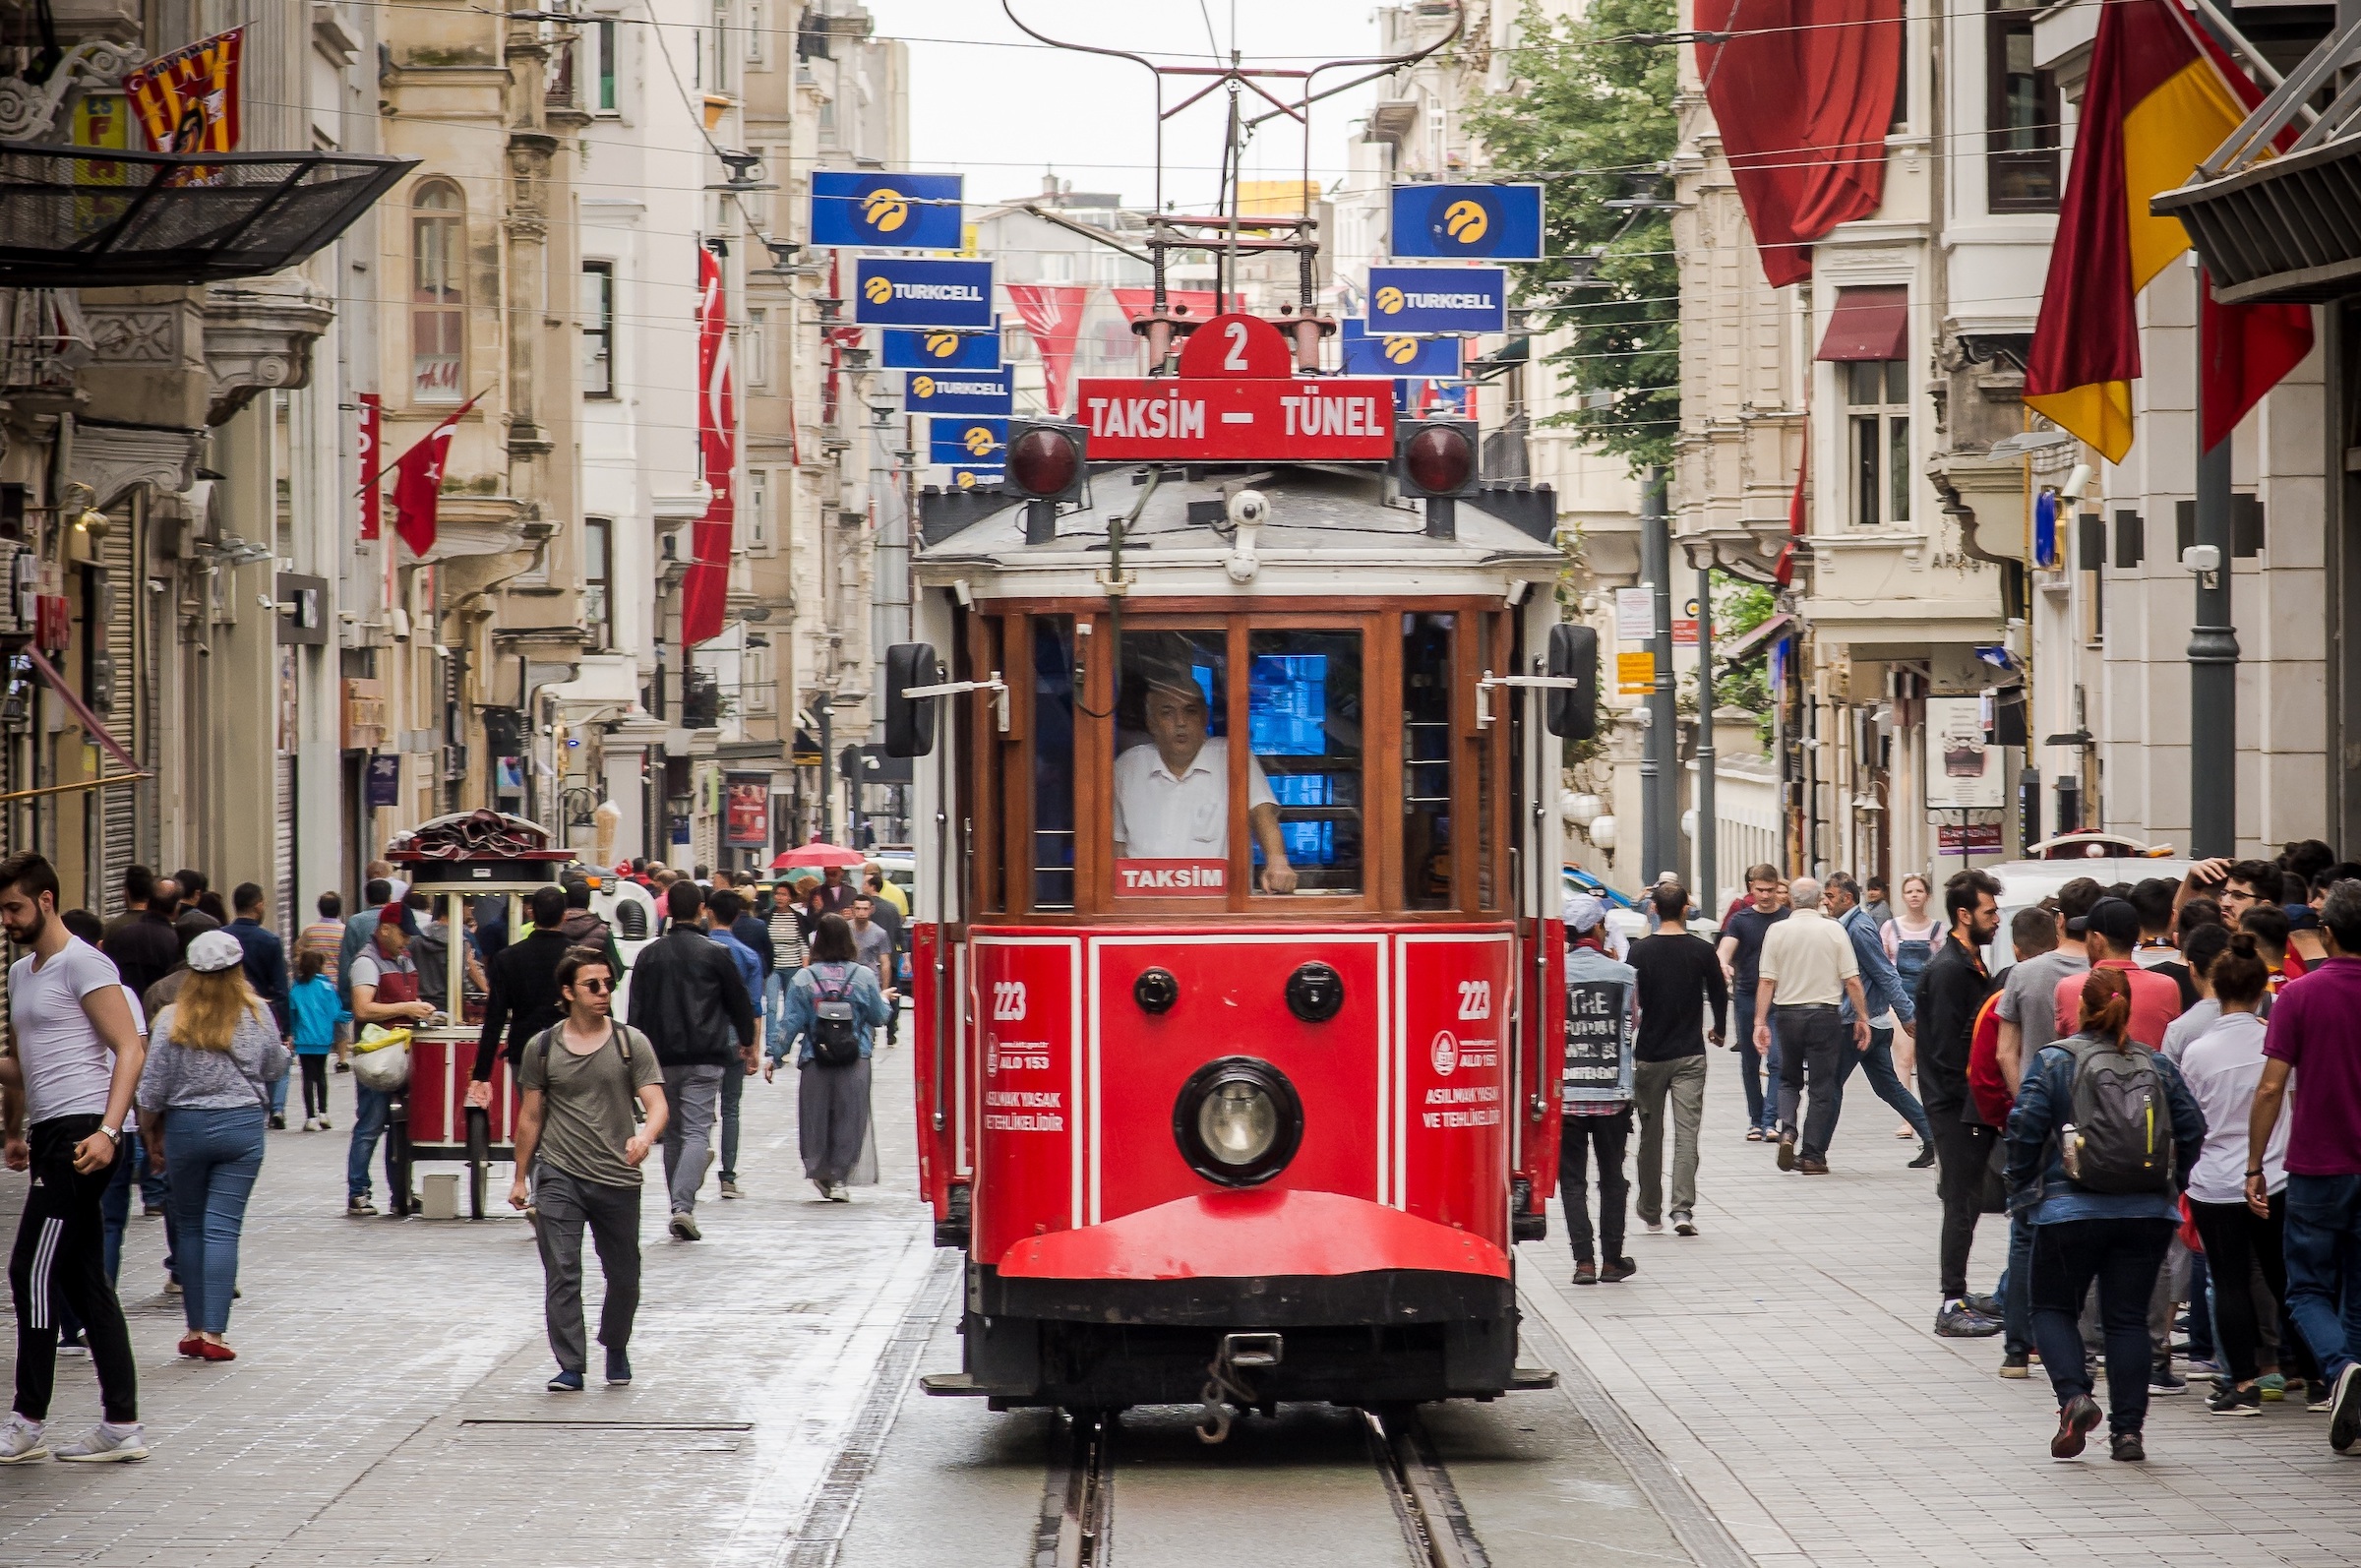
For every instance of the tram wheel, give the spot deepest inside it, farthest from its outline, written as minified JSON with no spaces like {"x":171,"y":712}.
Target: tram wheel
{"x":479,"y":1158}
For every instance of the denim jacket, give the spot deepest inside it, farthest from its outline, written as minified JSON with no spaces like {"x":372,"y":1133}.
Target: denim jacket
{"x":2036,"y":1166}
{"x":859,"y":986}
{"x":1881,"y":983}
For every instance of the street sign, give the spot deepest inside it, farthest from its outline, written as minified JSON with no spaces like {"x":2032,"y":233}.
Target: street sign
{"x":1635,"y":674}
{"x":1684,"y":625}
{"x":906,"y":349}
{"x":894,"y":291}
{"x":937,"y":392}
{"x":1437,"y":299}
{"x":904,"y":212}
{"x":1635,"y":615}
{"x":1468,"y":222}
{"x":1238,"y":399}
{"x":972,"y":442}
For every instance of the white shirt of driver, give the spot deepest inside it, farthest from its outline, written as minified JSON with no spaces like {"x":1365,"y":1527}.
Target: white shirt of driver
{"x":67,"y":1069}
{"x":1157,"y":816}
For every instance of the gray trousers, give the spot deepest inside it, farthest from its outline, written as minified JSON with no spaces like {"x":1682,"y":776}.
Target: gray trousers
{"x":832,"y":1117}
{"x":564,"y":1204}
{"x":692,"y":1093}
{"x":1811,"y":1040}
{"x":1682,"y":1083}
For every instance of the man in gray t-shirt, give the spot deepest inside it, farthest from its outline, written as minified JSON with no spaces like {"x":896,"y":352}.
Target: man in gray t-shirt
{"x":873,"y":945}
{"x":2028,"y":1010}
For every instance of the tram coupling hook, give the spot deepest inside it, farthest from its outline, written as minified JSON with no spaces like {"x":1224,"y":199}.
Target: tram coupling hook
{"x":1225,"y":1384}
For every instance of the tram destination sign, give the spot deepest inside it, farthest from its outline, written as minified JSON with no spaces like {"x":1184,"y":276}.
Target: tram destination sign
{"x":1238,"y":399}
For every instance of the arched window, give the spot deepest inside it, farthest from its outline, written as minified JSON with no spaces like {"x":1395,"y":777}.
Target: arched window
{"x":438,"y":293}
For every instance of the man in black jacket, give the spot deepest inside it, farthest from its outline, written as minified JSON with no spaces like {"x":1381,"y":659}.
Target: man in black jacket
{"x":521,"y":985}
{"x":688,"y":1000}
{"x":1951,"y":990}
{"x":146,"y":950}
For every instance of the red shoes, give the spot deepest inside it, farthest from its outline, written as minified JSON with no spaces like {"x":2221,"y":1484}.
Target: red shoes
{"x":198,"y":1348}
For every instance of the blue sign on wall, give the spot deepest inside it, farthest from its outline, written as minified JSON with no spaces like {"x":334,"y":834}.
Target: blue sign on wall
{"x":966,"y":478}
{"x":905,"y":212}
{"x":940,"y":350}
{"x":952,"y":392}
{"x":1466,"y":222}
{"x":891,"y":291}
{"x":968,"y":442}
{"x":1438,"y":299}
{"x":1368,"y":354}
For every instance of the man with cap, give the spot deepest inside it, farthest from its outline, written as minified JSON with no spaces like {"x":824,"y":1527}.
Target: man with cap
{"x":1595,"y":1091}
{"x":1172,"y":794}
{"x":2111,"y":934}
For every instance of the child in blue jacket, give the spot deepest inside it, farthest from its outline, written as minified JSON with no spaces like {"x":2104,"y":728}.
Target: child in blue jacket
{"x":316,"y":1014}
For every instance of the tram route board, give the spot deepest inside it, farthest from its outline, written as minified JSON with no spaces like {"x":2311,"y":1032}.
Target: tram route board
{"x":1238,"y":399}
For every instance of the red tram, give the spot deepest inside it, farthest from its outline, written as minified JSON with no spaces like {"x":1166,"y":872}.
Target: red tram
{"x":1238,"y":977}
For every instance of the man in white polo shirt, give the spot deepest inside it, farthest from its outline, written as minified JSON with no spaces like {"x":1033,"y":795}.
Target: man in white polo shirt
{"x":1172,"y":796}
{"x":77,"y":1065}
{"x":1808,"y":971}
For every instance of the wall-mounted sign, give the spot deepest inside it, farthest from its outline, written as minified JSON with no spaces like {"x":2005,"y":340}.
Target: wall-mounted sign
{"x":901,"y":348}
{"x":1437,"y":299}
{"x":1963,"y":772}
{"x":893,"y":292}
{"x":897,"y":211}
{"x":975,"y":443}
{"x":952,"y":392}
{"x":1466,"y":222}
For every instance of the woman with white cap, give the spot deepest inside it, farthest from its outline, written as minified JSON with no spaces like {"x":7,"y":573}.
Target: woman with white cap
{"x":203,"y":1093}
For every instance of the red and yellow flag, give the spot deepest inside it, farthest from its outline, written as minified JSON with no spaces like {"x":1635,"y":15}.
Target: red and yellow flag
{"x":2161,"y":97}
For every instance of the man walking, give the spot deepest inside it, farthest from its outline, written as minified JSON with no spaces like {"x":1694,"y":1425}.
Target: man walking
{"x":1595,"y":1093}
{"x":521,"y":994}
{"x":1808,"y":974}
{"x":688,"y":1000}
{"x":725,"y":920}
{"x":2316,"y":1026}
{"x":143,"y":951}
{"x":1741,"y":948}
{"x":874,"y":945}
{"x":585,"y":1080}
{"x":264,"y":958}
{"x":1951,"y":990}
{"x":1889,"y":1000}
{"x":1678,"y":975}
{"x":64,"y":1093}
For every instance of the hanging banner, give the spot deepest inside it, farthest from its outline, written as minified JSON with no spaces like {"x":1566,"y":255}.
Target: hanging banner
{"x":1398,"y":356}
{"x":935,"y":392}
{"x":899,"y":211}
{"x":1438,"y":299}
{"x":187,"y":101}
{"x":746,"y":812}
{"x":707,"y":585}
{"x":967,"y":443}
{"x":895,"y":291}
{"x":383,"y":779}
{"x":1463,"y":222}
{"x":373,"y":497}
{"x":1963,"y":772}
{"x":1052,"y":314}
{"x":903,"y":349}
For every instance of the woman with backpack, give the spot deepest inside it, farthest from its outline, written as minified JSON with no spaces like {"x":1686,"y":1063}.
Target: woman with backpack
{"x":835,"y":1004}
{"x":2102,"y":1142}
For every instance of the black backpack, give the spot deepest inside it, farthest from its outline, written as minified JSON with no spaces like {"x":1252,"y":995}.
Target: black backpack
{"x":2120,"y":1139}
{"x":835,"y":1032}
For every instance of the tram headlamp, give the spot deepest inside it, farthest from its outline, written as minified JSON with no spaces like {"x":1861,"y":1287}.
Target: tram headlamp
{"x":1047,"y":460}
{"x":1237,"y":1121}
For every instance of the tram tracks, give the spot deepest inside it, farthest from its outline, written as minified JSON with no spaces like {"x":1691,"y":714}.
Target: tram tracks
{"x":1077,"y":1527}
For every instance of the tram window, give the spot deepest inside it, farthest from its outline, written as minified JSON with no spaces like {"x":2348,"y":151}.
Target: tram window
{"x":1426,"y":760}
{"x":1303,"y":721}
{"x":1172,"y":766}
{"x":1052,"y":835}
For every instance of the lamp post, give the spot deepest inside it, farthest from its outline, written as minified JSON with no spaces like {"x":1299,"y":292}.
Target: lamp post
{"x":1659,"y":755}
{"x":2213,"y":660}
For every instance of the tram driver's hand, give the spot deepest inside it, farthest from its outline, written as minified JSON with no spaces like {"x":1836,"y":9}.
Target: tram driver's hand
{"x":1279,"y":878}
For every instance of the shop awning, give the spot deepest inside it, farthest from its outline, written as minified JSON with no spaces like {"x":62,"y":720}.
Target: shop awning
{"x":1747,"y":644}
{"x":1868,"y":324}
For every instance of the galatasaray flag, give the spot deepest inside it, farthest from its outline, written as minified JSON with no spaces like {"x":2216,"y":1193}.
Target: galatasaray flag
{"x":2161,"y":97}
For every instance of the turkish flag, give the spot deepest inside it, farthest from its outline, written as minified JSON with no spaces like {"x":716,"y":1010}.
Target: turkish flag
{"x":418,"y":482}
{"x":1052,"y":314}
{"x":704,"y":588}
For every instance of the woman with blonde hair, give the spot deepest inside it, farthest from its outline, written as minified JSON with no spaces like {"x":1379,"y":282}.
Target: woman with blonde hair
{"x":203,"y":1093}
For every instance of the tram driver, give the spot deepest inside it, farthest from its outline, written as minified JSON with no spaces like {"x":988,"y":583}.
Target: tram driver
{"x":1172,"y":792}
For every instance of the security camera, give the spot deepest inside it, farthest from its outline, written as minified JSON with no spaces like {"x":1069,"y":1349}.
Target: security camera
{"x":1249,"y":508}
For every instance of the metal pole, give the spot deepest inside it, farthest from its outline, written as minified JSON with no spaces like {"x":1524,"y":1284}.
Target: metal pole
{"x":1661,"y":831}
{"x":827,"y":767}
{"x":1709,"y":834}
{"x":2212,"y":662}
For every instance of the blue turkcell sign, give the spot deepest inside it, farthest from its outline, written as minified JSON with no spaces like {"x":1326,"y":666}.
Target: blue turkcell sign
{"x":893,"y":292}
{"x":954,"y":392}
{"x":905,"y":212}
{"x":905,"y":349}
{"x":1466,"y":223}
{"x":966,"y":478}
{"x":1438,"y":299}
{"x":1433,"y":358}
{"x":972,"y":443}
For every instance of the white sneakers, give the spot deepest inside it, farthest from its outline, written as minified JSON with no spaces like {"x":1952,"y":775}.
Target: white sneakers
{"x":20,"y":1441}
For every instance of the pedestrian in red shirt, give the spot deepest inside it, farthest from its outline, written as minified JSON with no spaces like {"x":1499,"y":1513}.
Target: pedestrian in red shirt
{"x":2112,"y":930}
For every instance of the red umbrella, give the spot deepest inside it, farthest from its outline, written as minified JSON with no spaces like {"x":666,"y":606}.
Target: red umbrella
{"x":818,"y":854}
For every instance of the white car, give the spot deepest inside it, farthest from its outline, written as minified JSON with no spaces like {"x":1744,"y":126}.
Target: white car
{"x":2024,"y":883}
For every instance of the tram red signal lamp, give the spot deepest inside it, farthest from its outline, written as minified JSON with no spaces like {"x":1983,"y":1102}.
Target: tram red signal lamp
{"x":1048,"y":460}
{"x":1436,"y":457}
{"x":1572,"y":712}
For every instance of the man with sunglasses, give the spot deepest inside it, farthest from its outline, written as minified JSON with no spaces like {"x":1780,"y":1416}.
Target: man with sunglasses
{"x":580,"y":1079}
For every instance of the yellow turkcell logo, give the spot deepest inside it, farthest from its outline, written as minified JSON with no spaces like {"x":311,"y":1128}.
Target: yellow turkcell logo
{"x":1464,"y":222}
{"x":885,"y":210}
{"x":977,"y":439}
{"x":1401,"y":351}
{"x":967,"y":481}
{"x":878,"y":290}
{"x":921,"y":387}
{"x":943,"y":345}
{"x":1389,"y":300}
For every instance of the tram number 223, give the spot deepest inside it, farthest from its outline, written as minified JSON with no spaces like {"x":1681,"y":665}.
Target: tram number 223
{"x":1475,"y":999}
{"x":1008,"y":1001}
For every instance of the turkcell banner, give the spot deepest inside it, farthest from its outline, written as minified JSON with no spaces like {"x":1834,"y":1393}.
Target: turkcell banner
{"x":968,"y":442}
{"x":976,"y":478}
{"x":1438,"y":299}
{"x":903,"y":211}
{"x":890,"y":291}
{"x":943,"y":391}
{"x":1463,"y":223}
{"x":1433,"y":358}
{"x":940,"y":350}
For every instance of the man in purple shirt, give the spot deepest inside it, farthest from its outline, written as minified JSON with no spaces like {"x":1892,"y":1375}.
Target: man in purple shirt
{"x":2316,"y":1027}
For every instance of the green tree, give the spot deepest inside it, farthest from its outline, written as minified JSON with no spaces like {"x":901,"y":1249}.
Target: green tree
{"x":1589,"y":107}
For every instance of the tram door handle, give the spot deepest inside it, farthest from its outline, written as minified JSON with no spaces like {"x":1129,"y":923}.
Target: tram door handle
{"x":1548,"y":683}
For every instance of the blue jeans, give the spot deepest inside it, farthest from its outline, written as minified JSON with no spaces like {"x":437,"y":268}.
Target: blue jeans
{"x":2017,"y":1288}
{"x":214,"y":1157}
{"x":1878,"y":1063}
{"x":1762,"y":1110}
{"x":279,"y":1094}
{"x":369,"y":1117}
{"x":2323,"y":1267}
{"x":774,"y":1011}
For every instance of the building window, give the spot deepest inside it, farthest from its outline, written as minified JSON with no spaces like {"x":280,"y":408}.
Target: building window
{"x":598,"y":572}
{"x":757,"y":40}
{"x":438,"y":293}
{"x":1877,"y":392}
{"x":603,"y":37}
{"x":717,"y":41}
{"x":757,"y":512}
{"x":2020,"y":157}
{"x":599,"y":329}
{"x":754,"y":341}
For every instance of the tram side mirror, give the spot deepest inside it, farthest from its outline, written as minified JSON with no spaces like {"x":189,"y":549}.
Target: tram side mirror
{"x":1572,"y":712}
{"x":910,"y":720}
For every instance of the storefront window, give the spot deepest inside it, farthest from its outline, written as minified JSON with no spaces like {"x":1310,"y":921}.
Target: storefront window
{"x":1172,"y":766}
{"x":1304,"y":724}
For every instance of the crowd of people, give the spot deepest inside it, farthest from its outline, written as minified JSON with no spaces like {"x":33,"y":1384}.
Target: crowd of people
{"x":156,"y":1050}
{"x":2158,"y":1083}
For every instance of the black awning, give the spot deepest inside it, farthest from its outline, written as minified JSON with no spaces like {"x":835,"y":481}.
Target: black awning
{"x":96,"y":217}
